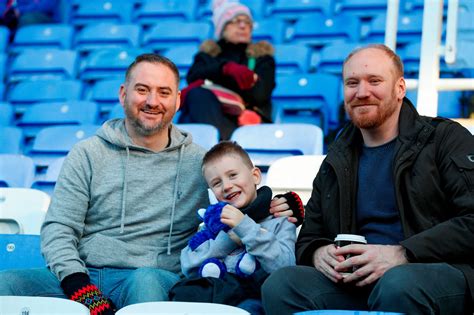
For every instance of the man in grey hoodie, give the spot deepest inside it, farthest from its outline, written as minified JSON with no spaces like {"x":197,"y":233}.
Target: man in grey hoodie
{"x":124,"y":203}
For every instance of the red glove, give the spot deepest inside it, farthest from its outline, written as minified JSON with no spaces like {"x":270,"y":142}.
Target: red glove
{"x":249,"y":117}
{"x":244,"y":77}
{"x":192,"y":85}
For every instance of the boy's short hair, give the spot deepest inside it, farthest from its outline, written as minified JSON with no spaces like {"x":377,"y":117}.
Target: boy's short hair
{"x":225,"y":148}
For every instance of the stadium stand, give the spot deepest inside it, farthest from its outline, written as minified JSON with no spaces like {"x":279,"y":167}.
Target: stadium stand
{"x":203,"y":134}
{"x":43,"y":64}
{"x":105,"y":93}
{"x":16,"y":170}
{"x":295,"y":9}
{"x":270,"y":29}
{"x":292,"y":58}
{"x":94,"y":12}
{"x":40,"y":36}
{"x":275,"y":141}
{"x":55,"y":142}
{"x":167,"y":34}
{"x":182,"y":56}
{"x":47,"y":181}
{"x":294,"y":173}
{"x":22,"y":210}
{"x":24,"y":93}
{"x":154,"y":11}
{"x":6,"y":114}
{"x":11,"y":140}
{"x":41,"y":115}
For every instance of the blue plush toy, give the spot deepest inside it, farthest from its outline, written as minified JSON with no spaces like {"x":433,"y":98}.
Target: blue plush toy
{"x":238,"y":261}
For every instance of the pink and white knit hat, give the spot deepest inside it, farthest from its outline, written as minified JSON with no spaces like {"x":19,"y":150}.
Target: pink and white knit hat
{"x":225,"y":10}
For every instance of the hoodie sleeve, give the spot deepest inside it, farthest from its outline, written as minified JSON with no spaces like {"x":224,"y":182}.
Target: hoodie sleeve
{"x":271,"y":242}
{"x":64,"y":222}
{"x":219,"y":248}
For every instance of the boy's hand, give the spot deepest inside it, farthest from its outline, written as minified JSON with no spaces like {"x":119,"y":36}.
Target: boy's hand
{"x":290,"y":205}
{"x":231,"y":216}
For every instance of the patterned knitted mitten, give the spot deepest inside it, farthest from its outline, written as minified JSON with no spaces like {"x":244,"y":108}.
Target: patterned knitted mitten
{"x":295,"y":204}
{"x":79,"y":288}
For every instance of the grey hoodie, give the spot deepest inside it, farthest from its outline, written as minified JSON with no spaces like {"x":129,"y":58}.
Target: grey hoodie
{"x":120,"y":205}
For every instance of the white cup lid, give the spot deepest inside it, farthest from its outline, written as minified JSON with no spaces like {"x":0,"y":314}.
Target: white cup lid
{"x":351,"y":238}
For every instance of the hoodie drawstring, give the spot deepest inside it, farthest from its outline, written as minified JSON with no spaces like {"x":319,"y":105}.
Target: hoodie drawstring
{"x":175,"y":196}
{"x":124,"y":192}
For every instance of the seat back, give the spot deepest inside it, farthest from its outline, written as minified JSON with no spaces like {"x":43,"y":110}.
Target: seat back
{"x":107,"y":35}
{"x":292,"y":59}
{"x":4,"y":34}
{"x":295,"y":9}
{"x":27,"y":207}
{"x":169,"y":34}
{"x":155,"y":11}
{"x":100,"y":11}
{"x":38,"y":36}
{"x":180,"y":308}
{"x":13,"y":305}
{"x":21,"y":96}
{"x":203,"y":134}
{"x":105,"y":93}
{"x":182,"y":56}
{"x":294,"y":173}
{"x":20,"y":251}
{"x":47,"y":182}
{"x":275,"y":141}
{"x":43,"y":64}
{"x":16,"y":170}
{"x":11,"y":140}
{"x":7,"y":114}
{"x":42,"y":115}
{"x":54,"y":142}
{"x":269,"y":29}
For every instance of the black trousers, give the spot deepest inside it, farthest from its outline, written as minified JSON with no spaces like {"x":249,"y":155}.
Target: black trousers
{"x":436,"y":288}
{"x":202,"y":106}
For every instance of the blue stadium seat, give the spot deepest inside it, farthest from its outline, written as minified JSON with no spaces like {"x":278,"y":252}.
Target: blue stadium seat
{"x":20,"y":251}
{"x":292,"y":58}
{"x":2,"y":90}
{"x":169,"y":34}
{"x":107,"y":35}
{"x":339,"y":312}
{"x":4,"y":34}
{"x":93,"y":12}
{"x":105,"y":93}
{"x":43,"y":64}
{"x":464,"y":65}
{"x":116,"y":112}
{"x":203,"y":134}
{"x":16,"y":170}
{"x":41,"y":115}
{"x":269,"y":29}
{"x":307,"y":98}
{"x":11,"y":140}
{"x":361,"y":8}
{"x":37,"y":36}
{"x":449,"y":105}
{"x":331,"y":57}
{"x":47,"y":182}
{"x":155,"y":11}
{"x":182,"y":56}
{"x":318,"y":29}
{"x":55,"y":142}
{"x":7,"y":115}
{"x":295,"y":9}
{"x":409,"y":29}
{"x":107,"y":63}
{"x":466,"y":25}
{"x":3,"y":60}
{"x":25,"y":93}
{"x":275,"y":141}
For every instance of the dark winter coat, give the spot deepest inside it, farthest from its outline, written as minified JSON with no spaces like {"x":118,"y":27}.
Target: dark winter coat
{"x":208,"y":63}
{"x":434,"y":182}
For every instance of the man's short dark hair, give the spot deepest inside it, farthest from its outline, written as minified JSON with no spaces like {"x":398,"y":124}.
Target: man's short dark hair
{"x":397,"y":62}
{"x":225,"y":148}
{"x":153,"y":58}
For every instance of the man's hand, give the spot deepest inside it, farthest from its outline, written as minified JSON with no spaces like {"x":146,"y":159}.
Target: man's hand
{"x":231,"y":216}
{"x":279,"y":208}
{"x":325,"y":259}
{"x":372,"y":261}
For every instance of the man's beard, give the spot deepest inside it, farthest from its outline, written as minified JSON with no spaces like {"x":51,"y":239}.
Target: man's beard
{"x":373,"y":120}
{"x":143,"y":129}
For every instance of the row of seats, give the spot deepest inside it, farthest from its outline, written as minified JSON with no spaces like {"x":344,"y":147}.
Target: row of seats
{"x":41,"y":165}
{"x":145,"y":12}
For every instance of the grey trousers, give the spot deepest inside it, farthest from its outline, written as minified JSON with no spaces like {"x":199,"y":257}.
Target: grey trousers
{"x":436,"y":288}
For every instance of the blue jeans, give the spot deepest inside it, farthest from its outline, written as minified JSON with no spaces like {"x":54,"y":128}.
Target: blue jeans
{"x":122,"y":286}
{"x":436,"y":288}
